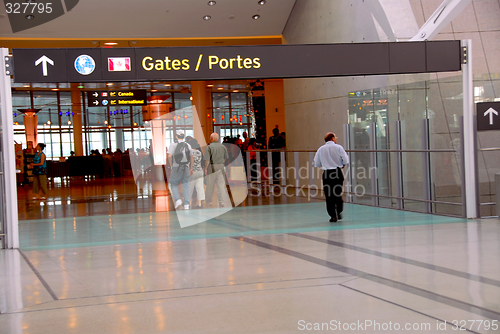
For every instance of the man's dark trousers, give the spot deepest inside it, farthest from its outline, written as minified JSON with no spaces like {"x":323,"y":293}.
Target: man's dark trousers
{"x":333,"y":180}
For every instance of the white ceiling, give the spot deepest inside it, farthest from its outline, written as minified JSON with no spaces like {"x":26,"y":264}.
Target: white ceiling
{"x":102,"y":19}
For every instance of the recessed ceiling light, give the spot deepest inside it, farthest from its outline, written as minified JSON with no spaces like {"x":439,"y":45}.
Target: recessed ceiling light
{"x":54,"y":89}
{"x":207,"y":17}
{"x":262,"y":2}
{"x":109,"y":84}
{"x":235,"y":91}
{"x":212,"y":3}
{"x":110,"y":43}
{"x":26,"y":85}
{"x":220,"y":87}
{"x":29,"y":17}
{"x":210,"y":85}
{"x":168,"y":85}
{"x":154,"y":90}
{"x":256,"y":17}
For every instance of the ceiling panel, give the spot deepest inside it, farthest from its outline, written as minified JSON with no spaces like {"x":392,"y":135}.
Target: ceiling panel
{"x":161,"y":19}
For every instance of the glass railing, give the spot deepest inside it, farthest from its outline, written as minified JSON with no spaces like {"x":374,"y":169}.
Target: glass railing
{"x":373,"y":177}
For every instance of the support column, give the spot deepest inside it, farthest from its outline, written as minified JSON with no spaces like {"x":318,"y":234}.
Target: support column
{"x":470,"y":148}
{"x":119,"y":134}
{"x":31,"y":125}
{"x":8,"y":157}
{"x":76,"y":107}
{"x":426,"y":165}
{"x":374,"y":164}
{"x":202,"y":129}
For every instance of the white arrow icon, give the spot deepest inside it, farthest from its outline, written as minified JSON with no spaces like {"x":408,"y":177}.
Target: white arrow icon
{"x":96,"y":102}
{"x":96,"y":94}
{"x":490,"y":112}
{"x":44,"y":60}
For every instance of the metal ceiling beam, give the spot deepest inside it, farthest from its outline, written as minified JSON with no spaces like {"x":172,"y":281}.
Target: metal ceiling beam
{"x":445,"y":13}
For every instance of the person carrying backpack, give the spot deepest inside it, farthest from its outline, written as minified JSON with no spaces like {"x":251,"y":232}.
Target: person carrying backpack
{"x":180,"y":158}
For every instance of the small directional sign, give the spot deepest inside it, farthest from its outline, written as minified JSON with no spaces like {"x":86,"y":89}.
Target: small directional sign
{"x":488,"y":117}
{"x":41,"y":65}
{"x":117,"y":98}
{"x":44,"y":60}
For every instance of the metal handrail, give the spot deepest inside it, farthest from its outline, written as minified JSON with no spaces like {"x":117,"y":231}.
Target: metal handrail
{"x":409,"y":199}
{"x":348,"y":192}
{"x":403,"y":151}
{"x":384,"y":196}
{"x":362,"y":151}
{"x":490,"y":149}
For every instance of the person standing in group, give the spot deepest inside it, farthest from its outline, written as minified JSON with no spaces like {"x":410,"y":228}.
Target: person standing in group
{"x":215,"y":157}
{"x":276,"y":142}
{"x":244,"y":147}
{"x":332,"y":158}
{"x":39,"y":173}
{"x":196,"y":179}
{"x":117,"y":159}
{"x":180,"y":158}
{"x":252,"y":146}
{"x":245,"y":142}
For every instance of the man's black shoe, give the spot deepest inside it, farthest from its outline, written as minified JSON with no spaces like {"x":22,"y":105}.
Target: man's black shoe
{"x":333,"y":220}
{"x":340,"y":216}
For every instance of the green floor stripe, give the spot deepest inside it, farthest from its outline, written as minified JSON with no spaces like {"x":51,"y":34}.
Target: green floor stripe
{"x":241,"y":221}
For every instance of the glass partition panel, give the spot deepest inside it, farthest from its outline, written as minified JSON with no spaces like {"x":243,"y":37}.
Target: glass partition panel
{"x":445,"y":111}
{"x":381,"y":119}
{"x":361,"y":115}
{"x":410,"y":104}
{"x":412,"y":100}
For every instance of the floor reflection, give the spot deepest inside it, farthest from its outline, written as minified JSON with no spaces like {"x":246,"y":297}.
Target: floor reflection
{"x":79,"y":197}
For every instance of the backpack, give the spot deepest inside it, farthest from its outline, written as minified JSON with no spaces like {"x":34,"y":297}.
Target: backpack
{"x":182,"y":154}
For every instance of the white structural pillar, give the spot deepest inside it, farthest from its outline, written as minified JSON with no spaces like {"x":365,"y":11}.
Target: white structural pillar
{"x":469,"y":133}
{"x":9,"y":158}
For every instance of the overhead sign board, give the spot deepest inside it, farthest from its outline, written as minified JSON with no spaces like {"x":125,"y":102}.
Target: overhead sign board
{"x":117,"y":98}
{"x":234,"y":62}
{"x":488,"y":116}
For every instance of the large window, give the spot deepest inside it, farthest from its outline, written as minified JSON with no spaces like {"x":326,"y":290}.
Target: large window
{"x":54,"y":118}
{"x":231,"y":114}
{"x":102,"y":127}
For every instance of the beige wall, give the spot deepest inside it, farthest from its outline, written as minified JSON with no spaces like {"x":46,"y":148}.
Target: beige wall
{"x":314,"y":106}
{"x":275,"y":106}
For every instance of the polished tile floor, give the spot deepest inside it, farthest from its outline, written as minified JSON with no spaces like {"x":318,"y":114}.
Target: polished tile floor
{"x":81,"y":198}
{"x":277,"y":267}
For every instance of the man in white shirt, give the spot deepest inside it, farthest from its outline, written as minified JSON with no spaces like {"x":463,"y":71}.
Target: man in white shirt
{"x":180,"y":159}
{"x":332,"y":158}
